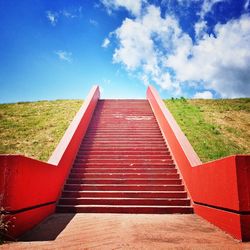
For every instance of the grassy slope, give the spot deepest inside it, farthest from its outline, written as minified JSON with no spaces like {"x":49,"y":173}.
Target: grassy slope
{"x":34,"y":129}
{"x":215,"y":128}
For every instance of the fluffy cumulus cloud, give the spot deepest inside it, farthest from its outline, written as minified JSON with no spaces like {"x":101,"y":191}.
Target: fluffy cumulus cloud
{"x":156,"y":49}
{"x":221,"y":61}
{"x":142,"y":43}
{"x":133,"y":6}
{"x":203,"y":95}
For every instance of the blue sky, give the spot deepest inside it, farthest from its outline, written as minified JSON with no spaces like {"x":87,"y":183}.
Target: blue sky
{"x":58,"y":49}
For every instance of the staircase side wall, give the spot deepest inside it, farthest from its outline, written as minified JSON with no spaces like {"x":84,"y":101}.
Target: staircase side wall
{"x":29,"y":189}
{"x":220,"y":190}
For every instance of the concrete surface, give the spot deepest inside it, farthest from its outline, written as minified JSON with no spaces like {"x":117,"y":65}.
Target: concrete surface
{"x":126,"y":231}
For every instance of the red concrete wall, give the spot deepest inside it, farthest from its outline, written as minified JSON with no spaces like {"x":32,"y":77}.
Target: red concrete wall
{"x":220,"y":190}
{"x":30,"y":188}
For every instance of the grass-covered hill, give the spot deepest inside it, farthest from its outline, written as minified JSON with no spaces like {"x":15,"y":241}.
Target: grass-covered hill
{"x":35,"y":128}
{"x":215,"y":128}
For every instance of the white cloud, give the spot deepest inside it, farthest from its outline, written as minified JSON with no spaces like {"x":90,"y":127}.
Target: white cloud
{"x":246,"y":5}
{"x":222,"y":62}
{"x":52,"y":17}
{"x":203,"y":95}
{"x":64,"y":56}
{"x":156,"y":49}
{"x":200,"y":29}
{"x":138,"y":49}
{"x":105,"y":43}
{"x":133,"y":6}
{"x":207,"y":7}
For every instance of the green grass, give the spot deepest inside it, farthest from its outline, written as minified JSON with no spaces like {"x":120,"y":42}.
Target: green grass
{"x":35,"y":128}
{"x":215,"y":128}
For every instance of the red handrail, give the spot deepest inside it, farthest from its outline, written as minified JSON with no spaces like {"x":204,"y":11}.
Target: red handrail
{"x":30,"y":188}
{"x":220,"y":190}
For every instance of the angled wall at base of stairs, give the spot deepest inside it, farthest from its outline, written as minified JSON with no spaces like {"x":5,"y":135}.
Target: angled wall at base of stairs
{"x":29,"y":189}
{"x":220,"y":190}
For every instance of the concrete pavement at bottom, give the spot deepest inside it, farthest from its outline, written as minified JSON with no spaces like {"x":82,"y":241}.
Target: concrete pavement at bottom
{"x":126,"y":231}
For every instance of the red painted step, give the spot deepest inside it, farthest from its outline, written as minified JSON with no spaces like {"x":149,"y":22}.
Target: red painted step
{"x":126,"y":194}
{"x":123,"y":187}
{"x":106,"y":152}
{"x":122,"y":148}
{"x":132,"y":160}
{"x":123,"y":175}
{"x":125,"y":201}
{"x":122,"y":156}
{"x":123,"y":181}
{"x":124,"y":170}
{"x":123,"y":165}
{"x":124,"y":209}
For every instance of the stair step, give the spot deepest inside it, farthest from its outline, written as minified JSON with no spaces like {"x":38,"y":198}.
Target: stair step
{"x":125,"y":201}
{"x":124,"y":140}
{"x":123,"y":175}
{"x":124,"y":187}
{"x":122,"y":135}
{"x":122,"y":148}
{"x":126,"y":127}
{"x":128,"y":194}
{"x":145,"y":157}
{"x":121,"y":130}
{"x":121,"y":152}
{"x":124,"y":209}
{"x":123,"y":181}
{"x":125,"y":165}
{"x":123,"y":144}
{"x":128,"y":161}
{"x":125,"y":170}
{"x":156,"y":132}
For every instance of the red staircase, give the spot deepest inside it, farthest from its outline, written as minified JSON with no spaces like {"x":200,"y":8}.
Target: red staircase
{"x":123,"y":165}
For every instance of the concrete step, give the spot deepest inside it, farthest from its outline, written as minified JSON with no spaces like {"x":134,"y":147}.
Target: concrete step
{"x":147,"y":156}
{"x":124,"y":187}
{"x":125,"y":130}
{"x":125,"y":140}
{"x":123,"y":137}
{"x":121,"y":144}
{"x":126,"y":194}
{"x":125,"y":201}
{"x":121,"y":148}
{"x":142,"y":165}
{"x":124,"y":160}
{"x":121,"y":152}
{"x":124,"y":209}
{"x":125,"y":170}
{"x":136,"y":181}
{"x":123,"y":165}
{"x":124,"y":175}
